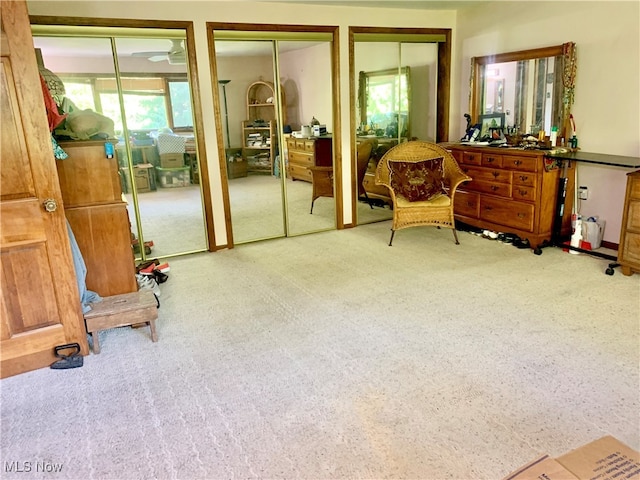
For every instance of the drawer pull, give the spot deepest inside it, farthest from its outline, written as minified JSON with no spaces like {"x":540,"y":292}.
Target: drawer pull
{"x":490,"y":159}
{"x":495,"y":188}
{"x":521,"y":215}
{"x":488,"y":207}
{"x":517,"y":162}
{"x":523,"y":193}
{"x":495,"y":174}
{"x":523,"y":177}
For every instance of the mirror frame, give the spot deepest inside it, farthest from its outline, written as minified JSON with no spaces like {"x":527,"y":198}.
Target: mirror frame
{"x":362,"y":94}
{"x":567,"y":51}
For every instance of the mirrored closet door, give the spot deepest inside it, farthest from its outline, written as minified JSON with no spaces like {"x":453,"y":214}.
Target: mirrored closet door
{"x":272,"y":91}
{"x":396,"y":91}
{"x":134,"y":94}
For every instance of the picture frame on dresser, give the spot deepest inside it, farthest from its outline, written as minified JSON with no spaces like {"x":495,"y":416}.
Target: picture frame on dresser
{"x":489,"y":122}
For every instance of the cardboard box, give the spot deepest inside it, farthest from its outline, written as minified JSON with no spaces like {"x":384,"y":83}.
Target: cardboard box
{"x":603,"y":459}
{"x":172,"y":160}
{"x":143,"y":176}
{"x":545,"y":468}
{"x":237,"y":168}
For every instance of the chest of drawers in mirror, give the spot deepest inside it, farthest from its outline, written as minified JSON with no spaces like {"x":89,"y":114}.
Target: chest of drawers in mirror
{"x":512,"y":191}
{"x":308,"y":152}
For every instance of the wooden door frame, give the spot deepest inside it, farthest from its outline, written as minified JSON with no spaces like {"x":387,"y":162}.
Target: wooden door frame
{"x":443,"y":91}
{"x":337,"y":136}
{"x":192,"y":75}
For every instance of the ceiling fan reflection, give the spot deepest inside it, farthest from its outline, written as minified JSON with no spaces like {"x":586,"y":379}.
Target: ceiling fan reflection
{"x":175,"y":56}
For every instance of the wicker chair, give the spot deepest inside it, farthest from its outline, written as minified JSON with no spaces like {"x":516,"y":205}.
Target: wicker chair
{"x":438,"y":211}
{"x":322,"y":177}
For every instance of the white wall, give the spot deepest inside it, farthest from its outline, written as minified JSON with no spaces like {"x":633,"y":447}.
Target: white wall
{"x":607,"y":94}
{"x":306,"y":78}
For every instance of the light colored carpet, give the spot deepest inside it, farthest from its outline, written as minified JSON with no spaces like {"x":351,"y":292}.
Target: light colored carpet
{"x":334,"y":356}
{"x":173,"y":217}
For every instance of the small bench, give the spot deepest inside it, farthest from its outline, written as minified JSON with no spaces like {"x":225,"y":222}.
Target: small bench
{"x":121,"y":311}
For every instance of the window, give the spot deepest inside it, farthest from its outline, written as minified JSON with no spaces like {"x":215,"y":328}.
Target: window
{"x":180,"y":98}
{"x":148,"y":101}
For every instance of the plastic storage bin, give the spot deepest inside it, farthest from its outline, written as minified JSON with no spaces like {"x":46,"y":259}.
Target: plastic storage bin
{"x":173,"y":177}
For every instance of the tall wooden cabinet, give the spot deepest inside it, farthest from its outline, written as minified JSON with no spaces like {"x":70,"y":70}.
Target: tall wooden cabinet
{"x":629,"y":250}
{"x":97,"y":213}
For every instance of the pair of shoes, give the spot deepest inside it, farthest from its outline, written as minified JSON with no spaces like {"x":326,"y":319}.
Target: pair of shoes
{"x":147,"y":268}
{"x":520,"y":243}
{"x":148,"y":283}
{"x":159,"y":276}
{"x":509,"y":238}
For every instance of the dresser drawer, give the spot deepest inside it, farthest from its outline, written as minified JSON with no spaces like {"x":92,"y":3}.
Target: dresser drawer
{"x":466,"y":203}
{"x":523,"y":192}
{"x":301,"y":159}
{"x":471,"y":158}
{"x":510,"y":214}
{"x":488,"y":174}
{"x":369,"y":183}
{"x":526,"y":164}
{"x":499,"y":189}
{"x":291,"y":143}
{"x":634,"y":188}
{"x":630,"y":249}
{"x":490,"y":160}
{"x":633,"y":216}
{"x":300,"y":173}
{"x":525,"y":178}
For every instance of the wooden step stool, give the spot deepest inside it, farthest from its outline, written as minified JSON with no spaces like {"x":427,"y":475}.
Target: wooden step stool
{"x":121,"y":311}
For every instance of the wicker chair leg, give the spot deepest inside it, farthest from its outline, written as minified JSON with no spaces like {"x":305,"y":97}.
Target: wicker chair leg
{"x":455,"y":235}
{"x":392,"y":233}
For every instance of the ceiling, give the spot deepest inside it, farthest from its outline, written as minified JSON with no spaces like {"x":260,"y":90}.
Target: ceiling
{"x":71,"y":47}
{"x":400,"y":4}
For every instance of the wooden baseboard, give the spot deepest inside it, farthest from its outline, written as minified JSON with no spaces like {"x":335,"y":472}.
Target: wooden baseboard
{"x":610,"y":245}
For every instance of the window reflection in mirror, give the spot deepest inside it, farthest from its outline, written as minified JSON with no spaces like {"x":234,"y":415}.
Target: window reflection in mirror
{"x":533,"y":88}
{"x":384,"y":99}
{"x":526,"y":91}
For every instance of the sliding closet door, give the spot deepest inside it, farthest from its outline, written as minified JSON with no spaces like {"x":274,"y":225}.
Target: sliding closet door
{"x":144,"y":92}
{"x":305,"y":75}
{"x":158,"y":162}
{"x":396,"y":91}
{"x":271,"y":89}
{"x":249,"y":110}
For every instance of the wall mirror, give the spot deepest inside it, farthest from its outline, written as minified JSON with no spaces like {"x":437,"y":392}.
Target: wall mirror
{"x":533,"y":89}
{"x":384,"y":97}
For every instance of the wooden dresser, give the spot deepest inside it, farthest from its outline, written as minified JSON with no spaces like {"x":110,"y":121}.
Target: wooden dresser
{"x":629,"y":250}
{"x":369,"y":182}
{"x":308,"y":152}
{"x":512,"y":191}
{"x":92,"y":196}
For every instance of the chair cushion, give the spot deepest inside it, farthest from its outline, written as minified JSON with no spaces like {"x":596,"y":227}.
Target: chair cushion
{"x":418,"y":181}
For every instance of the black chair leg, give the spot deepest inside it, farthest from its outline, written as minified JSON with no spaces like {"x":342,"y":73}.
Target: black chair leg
{"x":368,"y":201}
{"x":311,"y":212}
{"x":392,"y":233}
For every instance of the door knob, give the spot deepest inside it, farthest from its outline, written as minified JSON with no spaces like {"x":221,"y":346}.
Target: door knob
{"x":50,"y":205}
